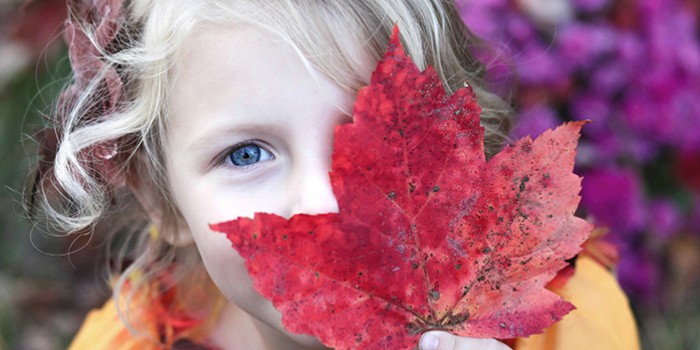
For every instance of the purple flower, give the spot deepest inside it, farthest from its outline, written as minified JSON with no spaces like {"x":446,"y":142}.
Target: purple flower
{"x":614,"y":198}
{"x":593,"y":107}
{"x":671,"y":34}
{"x":684,"y":116}
{"x":586,"y":155}
{"x":535,"y":120}
{"x":687,"y":47}
{"x":639,"y":274}
{"x":520,"y":29}
{"x":581,"y":45}
{"x":664,"y":218}
{"x":590,"y":5}
{"x":689,"y":58}
{"x":610,"y":77}
{"x":612,"y":145}
{"x":482,"y":17}
{"x":606,"y":146}
{"x":630,"y":50}
{"x":537,"y":64}
{"x":642,"y":113}
{"x":664,"y":109}
{"x":640,"y":150}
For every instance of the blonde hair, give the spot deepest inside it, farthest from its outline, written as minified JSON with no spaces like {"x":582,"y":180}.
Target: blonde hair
{"x":432,"y":34}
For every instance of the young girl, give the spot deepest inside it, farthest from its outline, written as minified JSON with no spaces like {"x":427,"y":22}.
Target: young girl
{"x":189,"y":112}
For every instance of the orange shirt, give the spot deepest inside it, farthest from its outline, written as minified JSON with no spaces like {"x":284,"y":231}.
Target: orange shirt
{"x":602,"y":320}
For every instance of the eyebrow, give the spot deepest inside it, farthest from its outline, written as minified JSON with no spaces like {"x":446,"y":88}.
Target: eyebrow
{"x":204,"y":138}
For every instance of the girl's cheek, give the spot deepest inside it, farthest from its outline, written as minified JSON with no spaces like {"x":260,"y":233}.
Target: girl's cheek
{"x":227,"y":270}
{"x":222,"y":262}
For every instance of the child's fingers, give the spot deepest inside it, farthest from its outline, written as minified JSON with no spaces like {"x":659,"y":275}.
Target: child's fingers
{"x":438,"y":340}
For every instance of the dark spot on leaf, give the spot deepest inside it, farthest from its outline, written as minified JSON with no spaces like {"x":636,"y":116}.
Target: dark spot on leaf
{"x":481,"y":278}
{"x":436,"y":188}
{"x":255,"y":236}
{"x":415,"y":265}
{"x":458,"y":266}
{"x":435,"y":295}
{"x":284,"y":237}
{"x":360,"y":274}
{"x":486,"y":250}
{"x":411,"y":187}
{"x":457,"y":319}
{"x":523,"y":215}
{"x":525,"y":261}
{"x":523,"y":181}
{"x":317,"y":274}
{"x":502,"y":325}
{"x":490,"y":207}
{"x":401,"y":133}
{"x":414,"y":329}
{"x":391,"y":195}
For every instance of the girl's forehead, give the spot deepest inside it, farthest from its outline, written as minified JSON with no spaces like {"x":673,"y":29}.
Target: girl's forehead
{"x":242,"y":68}
{"x":344,"y":59}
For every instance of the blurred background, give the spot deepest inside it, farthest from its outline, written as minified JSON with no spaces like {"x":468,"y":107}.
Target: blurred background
{"x":630,"y":66}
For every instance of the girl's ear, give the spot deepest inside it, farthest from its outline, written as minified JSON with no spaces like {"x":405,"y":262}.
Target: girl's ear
{"x":170,"y":225}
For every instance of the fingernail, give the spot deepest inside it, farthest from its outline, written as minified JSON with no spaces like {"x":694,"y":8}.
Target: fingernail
{"x":429,"y":342}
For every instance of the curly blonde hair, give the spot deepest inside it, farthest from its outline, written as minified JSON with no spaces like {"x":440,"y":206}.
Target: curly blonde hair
{"x":75,"y":195}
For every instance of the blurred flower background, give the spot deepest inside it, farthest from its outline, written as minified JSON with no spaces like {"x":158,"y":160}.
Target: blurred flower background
{"x":630,"y":66}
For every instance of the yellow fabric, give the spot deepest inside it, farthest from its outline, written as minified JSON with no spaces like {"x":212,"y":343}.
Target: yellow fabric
{"x":103,"y":329}
{"x":602,"y":320}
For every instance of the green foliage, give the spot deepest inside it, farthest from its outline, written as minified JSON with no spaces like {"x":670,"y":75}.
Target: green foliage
{"x":24,"y":267}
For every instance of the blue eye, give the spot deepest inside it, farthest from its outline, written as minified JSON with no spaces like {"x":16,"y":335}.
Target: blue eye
{"x":248,"y":154}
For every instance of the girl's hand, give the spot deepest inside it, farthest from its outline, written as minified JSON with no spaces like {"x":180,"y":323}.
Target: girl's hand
{"x":438,"y":340}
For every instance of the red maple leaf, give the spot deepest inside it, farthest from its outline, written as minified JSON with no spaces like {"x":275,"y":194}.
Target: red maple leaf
{"x":429,"y":235}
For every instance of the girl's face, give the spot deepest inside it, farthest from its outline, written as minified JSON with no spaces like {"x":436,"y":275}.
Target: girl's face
{"x":250,"y":130}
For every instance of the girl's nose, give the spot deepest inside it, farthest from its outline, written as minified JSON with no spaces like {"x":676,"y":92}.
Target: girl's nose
{"x":312,"y":191}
